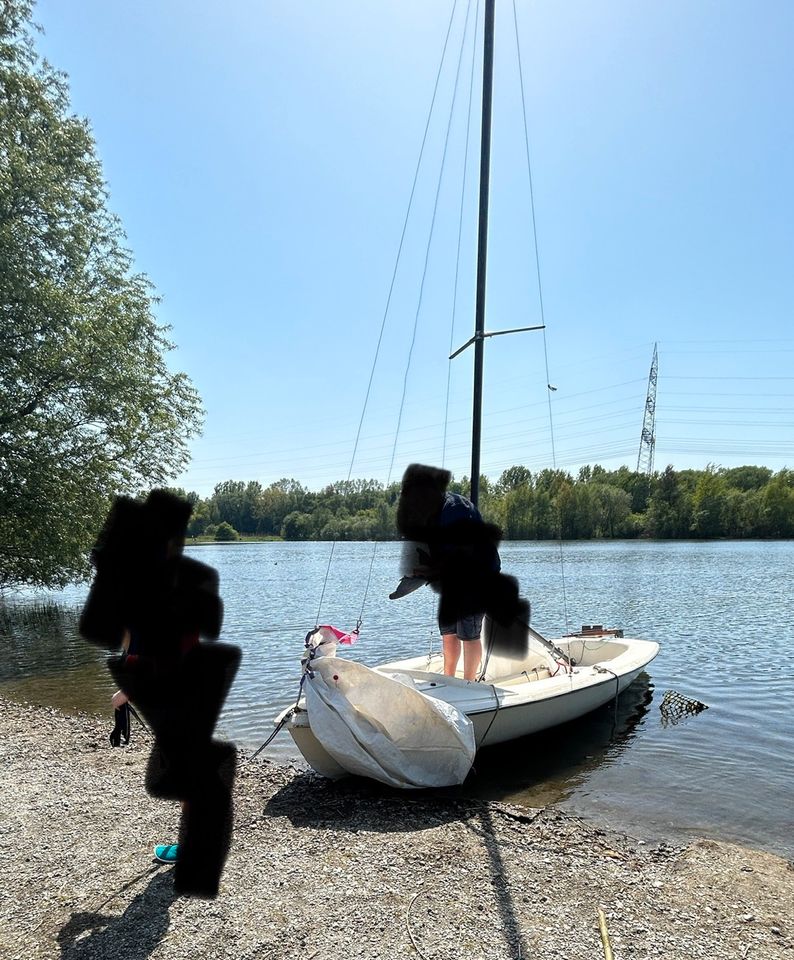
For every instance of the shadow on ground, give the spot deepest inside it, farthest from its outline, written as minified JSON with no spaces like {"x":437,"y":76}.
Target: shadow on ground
{"x":357,"y":804}
{"x":133,"y":934}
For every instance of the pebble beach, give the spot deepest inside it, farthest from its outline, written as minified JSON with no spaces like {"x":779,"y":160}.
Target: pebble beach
{"x":319,"y":870}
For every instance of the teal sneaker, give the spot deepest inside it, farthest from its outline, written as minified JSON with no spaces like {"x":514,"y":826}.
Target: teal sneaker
{"x":167,"y":852}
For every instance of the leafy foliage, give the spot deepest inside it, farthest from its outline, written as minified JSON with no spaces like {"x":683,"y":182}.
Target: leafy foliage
{"x":226,"y":532}
{"x":88,"y":406}
{"x":598,"y":504}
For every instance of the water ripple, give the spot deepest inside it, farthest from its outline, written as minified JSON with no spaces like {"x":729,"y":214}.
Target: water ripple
{"x":723,"y":613}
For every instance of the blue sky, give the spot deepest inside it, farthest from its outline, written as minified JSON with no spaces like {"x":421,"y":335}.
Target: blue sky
{"x":261,"y":155}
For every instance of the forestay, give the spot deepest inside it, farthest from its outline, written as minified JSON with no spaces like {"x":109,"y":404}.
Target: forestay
{"x":379,"y":727}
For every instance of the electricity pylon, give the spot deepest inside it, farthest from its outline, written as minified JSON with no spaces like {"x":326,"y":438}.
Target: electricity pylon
{"x":648,"y":435}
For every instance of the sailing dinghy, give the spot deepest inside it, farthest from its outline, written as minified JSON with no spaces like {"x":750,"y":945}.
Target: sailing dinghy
{"x":557,"y":681}
{"x":407,"y":724}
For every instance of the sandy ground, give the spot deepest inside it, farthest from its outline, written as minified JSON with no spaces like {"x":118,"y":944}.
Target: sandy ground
{"x":320,"y":870}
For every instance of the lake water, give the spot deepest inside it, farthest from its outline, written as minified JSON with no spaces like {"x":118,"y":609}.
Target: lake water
{"x":723,"y":613}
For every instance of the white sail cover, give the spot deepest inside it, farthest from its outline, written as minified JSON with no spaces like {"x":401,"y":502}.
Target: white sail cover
{"x":377,"y":727}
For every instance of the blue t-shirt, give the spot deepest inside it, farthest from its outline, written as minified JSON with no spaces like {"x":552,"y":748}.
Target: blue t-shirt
{"x":459,"y":511}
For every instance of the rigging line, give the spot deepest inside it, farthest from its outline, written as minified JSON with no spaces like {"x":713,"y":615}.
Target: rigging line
{"x":460,"y":231}
{"x":495,"y":714}
{"x":421,"y":291}
{"x":540,"y":298}
{"x":393,"y":279}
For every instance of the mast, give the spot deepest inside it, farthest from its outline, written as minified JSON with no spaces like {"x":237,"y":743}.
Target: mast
{"x":482,"y":247}
{"x":480,"y":336}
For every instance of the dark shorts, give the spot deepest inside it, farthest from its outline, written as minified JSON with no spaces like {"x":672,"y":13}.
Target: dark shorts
{"x":467,"y":628}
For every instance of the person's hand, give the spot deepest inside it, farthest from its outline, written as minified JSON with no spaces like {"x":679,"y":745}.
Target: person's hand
{"x":118,"y":699}
{"x":407,"y":585}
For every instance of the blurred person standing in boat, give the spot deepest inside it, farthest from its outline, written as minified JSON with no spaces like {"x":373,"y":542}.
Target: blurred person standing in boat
{"x":453,"y":549}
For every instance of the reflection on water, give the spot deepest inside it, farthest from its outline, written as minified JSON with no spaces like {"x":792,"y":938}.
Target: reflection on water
{"x":85,"y":688}
{"x":721,"y":611}
{"x":38,"y":637}
{"x":547,"y":767}
{"x":45,"y":661}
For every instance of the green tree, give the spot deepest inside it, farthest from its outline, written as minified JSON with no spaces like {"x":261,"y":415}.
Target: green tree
{"x":519,"y":517}
{"x":251,"y":507}
{"x":581,"y":511}
{"x":276,"y":501}
{"x":386,"y":521}
{"x":297,"y":526}
{"x":748,"y":478}
{"x":667,"y":516}
{"x":743,"y":512}
{"x":568,"y":507}
{"x":512,"y":478}
{"x":462,"y":486}
{"x":709,"y":504}
{"x":200,"y":519}
{"x":636,"y":485}
{"x":88,"y":406}
{"x":552,"y":481}
{"x":226,"y":532}
{"x":778,"y":505}
{"x":750,"y":513}
{"x":613,"y":508}
{"x":228,"y":502}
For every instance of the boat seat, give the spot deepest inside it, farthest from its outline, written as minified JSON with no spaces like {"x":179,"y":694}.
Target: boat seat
{"x":536,"y":673}
{"x":535,"y":666}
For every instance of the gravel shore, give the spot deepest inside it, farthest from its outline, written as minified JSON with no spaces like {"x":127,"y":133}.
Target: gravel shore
{"x":320,"y":871}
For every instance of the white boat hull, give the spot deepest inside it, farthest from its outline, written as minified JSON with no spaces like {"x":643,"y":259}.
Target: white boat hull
{"x":517,"y":698}
{"x":516,"y":720}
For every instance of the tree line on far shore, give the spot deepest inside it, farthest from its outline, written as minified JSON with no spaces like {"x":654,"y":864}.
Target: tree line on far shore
{"x":739,"y":502}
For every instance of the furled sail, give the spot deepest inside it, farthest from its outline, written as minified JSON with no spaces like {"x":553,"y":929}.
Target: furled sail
{"x":379,"y":727}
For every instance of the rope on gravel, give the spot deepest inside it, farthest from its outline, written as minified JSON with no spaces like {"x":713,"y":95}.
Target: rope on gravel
{"x":408,"y":925}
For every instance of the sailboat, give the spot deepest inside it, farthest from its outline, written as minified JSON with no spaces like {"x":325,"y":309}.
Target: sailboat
{"x":407,"y":724}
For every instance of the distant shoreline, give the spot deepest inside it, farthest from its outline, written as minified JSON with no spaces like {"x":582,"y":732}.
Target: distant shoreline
{"x":203,"y":541}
